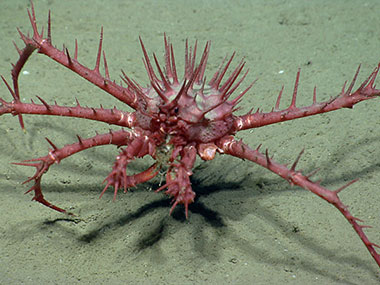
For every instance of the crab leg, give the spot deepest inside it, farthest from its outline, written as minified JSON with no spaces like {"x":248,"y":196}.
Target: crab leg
{"x":55,"y":155}
{"x":44,"y":46}
{"x":230,"y":146}
{"x":346,"y":99}
{"x":178,"y":179}
{"x":138,"y":147}
{"x":109,"y":116}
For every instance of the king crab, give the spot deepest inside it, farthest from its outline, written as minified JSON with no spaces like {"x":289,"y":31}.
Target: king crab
{"x":174,"y":121}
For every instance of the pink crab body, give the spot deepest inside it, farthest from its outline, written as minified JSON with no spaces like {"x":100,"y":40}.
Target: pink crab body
{"x":174,"y":121}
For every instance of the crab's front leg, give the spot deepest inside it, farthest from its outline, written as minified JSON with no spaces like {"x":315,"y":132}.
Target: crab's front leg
{"x":178,"y":179}
{"x":139,"y":146}
{"x":230,"y":146}
{"x":56,"y":154}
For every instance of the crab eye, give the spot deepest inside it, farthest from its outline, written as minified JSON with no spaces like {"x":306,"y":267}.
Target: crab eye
{"x":176,"y":109}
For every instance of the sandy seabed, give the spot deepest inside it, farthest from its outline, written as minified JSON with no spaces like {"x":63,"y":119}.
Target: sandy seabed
{"x":247,"y":225}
